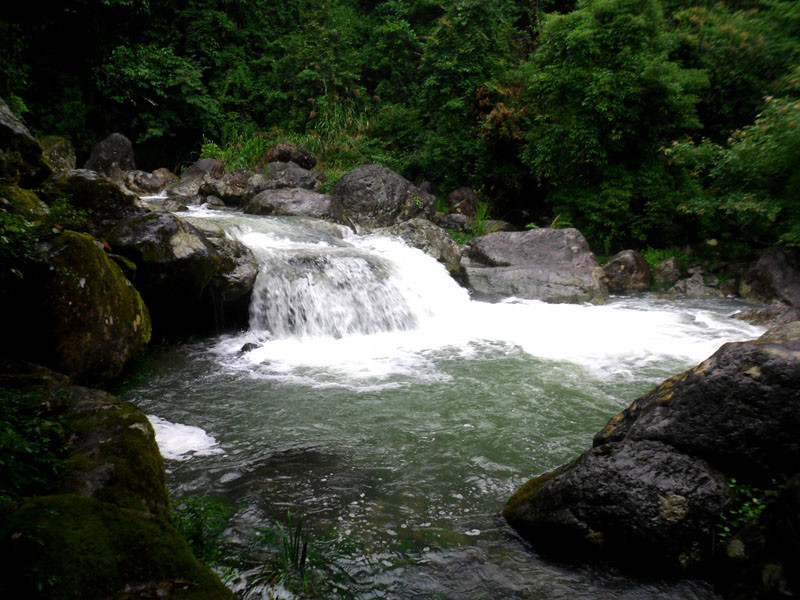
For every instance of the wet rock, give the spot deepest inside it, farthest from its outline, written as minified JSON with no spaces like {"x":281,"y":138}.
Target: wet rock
{"x":667,"y":272}
{"x":175,"y":263}
{"x":553,"y":265}
{"x":769,"y":316}
{"x":112,"y":156}
{"x":290,"y":202}
{"x":231,"y":188}
{"x":453,"y":221}
{"x":59,"y":152}
{"x":462,"y":201}
{"x":431,"y":239}
{"x":166,"y":176}
{"x":695,"y":287}
{"x":203,"y":171}
{"x":143,"y":182}
{"x":290,"y":175}
{"x":372,"y":196}
{"x":651,"y":489}
{"x":291,"y":152}
{"x":774,"y":276}
{"x":23,"y":202}
{"x":627,"y":272}
{"x":22,"y":161}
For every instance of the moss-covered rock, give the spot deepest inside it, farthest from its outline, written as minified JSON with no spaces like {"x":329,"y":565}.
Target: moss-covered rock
{"x":23,"y":202}
{"x":93,"y":319}
{"x":62,"y":547}
{"x":59,"y":151}
{"x":104,"y":201}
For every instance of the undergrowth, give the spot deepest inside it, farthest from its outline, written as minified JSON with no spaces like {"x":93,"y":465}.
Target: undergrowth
{"x":747,"y":505}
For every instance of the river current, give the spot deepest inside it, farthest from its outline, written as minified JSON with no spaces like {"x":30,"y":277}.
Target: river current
{"x":372,"y":396}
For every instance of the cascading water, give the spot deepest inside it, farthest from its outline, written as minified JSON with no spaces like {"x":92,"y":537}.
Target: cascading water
{"x":373,"y":396}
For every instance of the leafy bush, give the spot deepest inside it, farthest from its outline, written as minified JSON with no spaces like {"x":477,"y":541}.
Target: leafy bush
{"x":32,"y":446}
{"x":747,"y":505}
{"x":202,"y":522}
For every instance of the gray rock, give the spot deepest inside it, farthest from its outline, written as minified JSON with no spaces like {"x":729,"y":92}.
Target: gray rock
{"x":175,"y":263}
{"x":667,"y":272}
{"x":462,"y":201}
{"x":431,"y":239}
{"x":295,"y":202}
{"x":203,"y":171}
{"x":290,"y":175}
{"x":553,"y":265}
{"x":231,"y":188}
{"x":769,"y":316}
{"x":695,"y":287}
{"x":371,"y":196}
{"x":652,"y":487}
{"x":775,"y":276}
{"x":143,"y":182}
{"x":291,"y":152}
{"x":627,"y":272}
{"x":21,"y":159}
{"x":452,"y":221}
{"x":112,"y":156}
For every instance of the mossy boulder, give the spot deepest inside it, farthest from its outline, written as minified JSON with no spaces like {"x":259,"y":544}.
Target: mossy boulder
{"x":112,"y":156}
{"x":22,"y":161}
{"x":174,"y":265}
{"x":69,"y":547}
{"x":104,"y":202}
{"x":59,"y":151}
{"x":23,"y":202}
{"x":431,"y":239}
{"x":92,"y":317}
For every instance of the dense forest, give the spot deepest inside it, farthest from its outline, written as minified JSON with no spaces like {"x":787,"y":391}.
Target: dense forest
{"x":641,"y":122}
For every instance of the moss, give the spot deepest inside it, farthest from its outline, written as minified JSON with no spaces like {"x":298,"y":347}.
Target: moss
{"x":23,"y":202}
{"x":98,"y":318}
{"x":515,"y":508}
{"x":63,"y":547}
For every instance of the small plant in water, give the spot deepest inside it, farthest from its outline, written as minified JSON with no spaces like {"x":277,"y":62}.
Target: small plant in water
{"x":748,"y":504}
{"x":306,"y":566}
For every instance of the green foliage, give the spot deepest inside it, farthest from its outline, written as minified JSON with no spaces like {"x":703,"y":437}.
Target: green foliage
{"x":307,"y":566}
{"x":32,"y":446}
{"x":747,"y":505}
{"x":17,"y":243}
{"x":654,"y":256}
{"x":749,"y":187}
{"x":202,"y":521}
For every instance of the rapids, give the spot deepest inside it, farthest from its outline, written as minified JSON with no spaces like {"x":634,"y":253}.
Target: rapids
{"x":389,"y":408}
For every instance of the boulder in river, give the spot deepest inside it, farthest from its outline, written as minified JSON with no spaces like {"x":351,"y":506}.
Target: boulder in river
{"x":59,"y":152}
{"x":203,"y":171}
{"x":231,"y":188}
{"x":553,"y":265}
{"x":774,"y":276}
{"x":627,"y":272}
{"x":291,"y":152}
{"x":695,"y":287}
{"x":293,"y":202}
{"x":175,"y":263}
{"x":667,"y":272}
{"x":652,"y":488}
{"x":372,"y":196}
{"x":769,"y":316}
{"x":431,"y":239}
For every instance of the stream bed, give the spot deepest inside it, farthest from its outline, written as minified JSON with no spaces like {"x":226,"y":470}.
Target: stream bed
{"x":379,"y":402}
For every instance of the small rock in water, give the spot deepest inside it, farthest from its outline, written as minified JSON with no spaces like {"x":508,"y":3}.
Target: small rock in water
{"x":248,"y":347}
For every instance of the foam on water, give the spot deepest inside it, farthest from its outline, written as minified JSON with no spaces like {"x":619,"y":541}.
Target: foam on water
{"x":181,"y":442}
{"x":369,"y":311}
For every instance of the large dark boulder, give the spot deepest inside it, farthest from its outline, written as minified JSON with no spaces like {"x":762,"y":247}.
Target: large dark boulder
{"x":231,"y":188}
{"x":553,"y":265}
{"x":291,"y":152}
{"x":769,"y":316}
{"x":104,"y":202}
{"x":627,"y":272}
{"x":652,"y":488}
{"x":76,"y":312}
{"x":667,"y":272}
{"x":431,"y":239}
{"x":112,"y":156}
{"x":372,"y":196}
{"x":293,"y":202}
{"x":774,"y":276}
{"x":22,"y":161}
{"x":289,"y":175}
{"x":201,"y":172}
{"x":175,"y":263}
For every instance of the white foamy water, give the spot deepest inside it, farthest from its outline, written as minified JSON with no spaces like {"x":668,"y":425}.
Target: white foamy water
{"x":368,"y":312}
{"x":181,"y":442}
